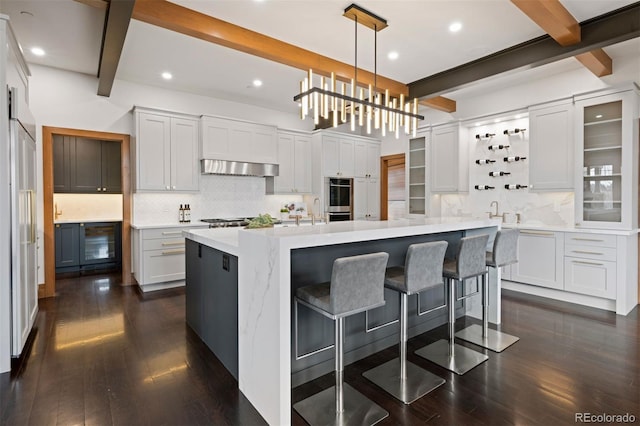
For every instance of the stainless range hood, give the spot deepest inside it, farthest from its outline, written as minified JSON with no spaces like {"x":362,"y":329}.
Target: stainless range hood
{"x":238,"y":168}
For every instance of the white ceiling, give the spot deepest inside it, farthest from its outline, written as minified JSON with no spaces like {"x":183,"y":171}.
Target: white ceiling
{"x":71,"y":33}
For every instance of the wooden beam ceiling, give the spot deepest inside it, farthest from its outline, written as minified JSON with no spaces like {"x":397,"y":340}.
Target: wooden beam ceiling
{"x":440,"y":103}
{"x":558,"y":22}
{"x":99,"y":4}
{"x":553,"y":18}
{"x":597,"y":61}
{"x":186,"y":21}
{"x":116,"y":26}
{"x":611,"y":28}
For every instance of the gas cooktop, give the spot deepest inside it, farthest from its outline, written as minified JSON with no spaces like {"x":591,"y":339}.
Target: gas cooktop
{"x":227,"y":222}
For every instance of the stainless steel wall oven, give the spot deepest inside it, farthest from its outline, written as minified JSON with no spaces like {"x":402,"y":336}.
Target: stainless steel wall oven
{"x":339,"y":199}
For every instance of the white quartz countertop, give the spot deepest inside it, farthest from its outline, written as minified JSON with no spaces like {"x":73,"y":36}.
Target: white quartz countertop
{"x":197,"y":224}
{"x":223,"y":239}
{"x":227,"y":239}
{"x":542,"y":227}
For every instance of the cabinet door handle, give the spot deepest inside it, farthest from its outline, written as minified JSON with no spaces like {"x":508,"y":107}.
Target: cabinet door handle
{"x":587,"y":239}
{"x":170,"y":252}
{"x":172,"y":233}
{"x":174,"y":243}
{"x":547,"y":234}
{"x":587,"y":252}
{"x":587,"y":263}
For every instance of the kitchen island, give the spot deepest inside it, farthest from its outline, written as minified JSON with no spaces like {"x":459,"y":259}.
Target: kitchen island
{"x":272,"y":262}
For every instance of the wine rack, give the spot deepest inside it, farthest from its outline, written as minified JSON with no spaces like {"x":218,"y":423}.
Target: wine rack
{"x":513,"y":159}
{"x":515,"y":186}
{"x":486,"y":136}
{"x":485,"y":161}
{"x":515,"y":131}
{"x":496,"y":174}
{"x":484,"y":187}
{"x":498,"y":147}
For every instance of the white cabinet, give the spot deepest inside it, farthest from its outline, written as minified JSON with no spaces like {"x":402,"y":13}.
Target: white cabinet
{"x":449,"y":159}
{"x":551,"y":147}
{"x":367,"y":159}
{"x":236,"y":140}
{"x":165,"y":151}
{"x":590,"y":264}
{"x":337,"y":156}
{"x":159,"y":257}
{"x":606,"y":176}
{"x":294,"y":158}
{"x":540,"y":259}
{"x":366,"y":199}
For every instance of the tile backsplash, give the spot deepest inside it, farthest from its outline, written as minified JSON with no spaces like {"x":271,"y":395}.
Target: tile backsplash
{"x":219,"y":196}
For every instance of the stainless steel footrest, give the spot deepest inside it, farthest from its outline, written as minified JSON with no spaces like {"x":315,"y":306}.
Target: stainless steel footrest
{"x":494,"y":340}
{"x":460,"y":361}
{"x":417,"y":383}
{"x":320,"y":409}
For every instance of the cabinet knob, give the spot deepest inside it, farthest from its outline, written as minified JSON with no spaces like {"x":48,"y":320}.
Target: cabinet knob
{"x":167,"y":187}
{"x":173,"y":187}
{"x":99,"y":189}
{"x":104,"y":189}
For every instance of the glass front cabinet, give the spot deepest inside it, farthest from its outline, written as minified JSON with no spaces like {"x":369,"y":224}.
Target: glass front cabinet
{"x":416,"y":174}
{"x":606,"y":192}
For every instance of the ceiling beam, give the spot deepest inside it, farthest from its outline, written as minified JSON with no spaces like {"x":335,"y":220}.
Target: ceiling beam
{"x":99,"y":4}
{"x":116,"y":26}
{"x":597,"y":61}
{"x":553,"y":18}
{"x":605,"y":30}
{"x":440,"y":103}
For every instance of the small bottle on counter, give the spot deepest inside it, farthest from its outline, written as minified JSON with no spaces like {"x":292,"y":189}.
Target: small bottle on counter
{"x":187,"y":214}
{"x":181,"y":214}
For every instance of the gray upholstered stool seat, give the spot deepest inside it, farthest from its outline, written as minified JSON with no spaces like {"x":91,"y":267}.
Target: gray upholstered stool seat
{"x":469,"y":263}
{"x":505,"y":252}
{"x":422,"y":270}
{"x":357,"y":284}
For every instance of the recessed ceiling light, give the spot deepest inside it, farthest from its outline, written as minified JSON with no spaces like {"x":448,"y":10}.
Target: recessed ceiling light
{"x":393,"y":55}
{"x":599,"y":116}
{"x":167,"y":75}
{"x":455,"y":27}
{"x":38,"y":51}
{"x":257,"y":83}
{"x":518,"y":116}
{"x":497,"y":120}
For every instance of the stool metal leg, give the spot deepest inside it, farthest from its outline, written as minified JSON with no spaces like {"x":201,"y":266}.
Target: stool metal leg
{"x":340,"y":404}
{"x":402,"y":379}
{"x":485,"y":336}
{"x":448,"y":354}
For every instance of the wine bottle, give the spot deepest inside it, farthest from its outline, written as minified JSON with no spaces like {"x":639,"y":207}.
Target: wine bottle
{"x":515,"y":131}
{"x":497,"y":147}
{"x":483,"y":187}
{"x":494,"y":174}
{"x":485,"y":161}
{"x":187,"y":214}
{"x":516,"y":186}
{"x":485,"y":136}
{"x":181,"y":214}
{"x":512,"y":159}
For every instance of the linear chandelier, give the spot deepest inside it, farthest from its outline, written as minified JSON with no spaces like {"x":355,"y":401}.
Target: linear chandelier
{"x":376,"y":110}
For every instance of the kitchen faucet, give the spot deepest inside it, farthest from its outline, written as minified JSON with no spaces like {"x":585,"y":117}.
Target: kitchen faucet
{"x":56,"y":213}
{"x":491,"y":214}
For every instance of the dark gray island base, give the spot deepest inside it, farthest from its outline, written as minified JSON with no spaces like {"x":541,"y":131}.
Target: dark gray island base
{"x":212,"y":301}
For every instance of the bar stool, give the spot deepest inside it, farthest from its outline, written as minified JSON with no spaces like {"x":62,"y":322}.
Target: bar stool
{"x":469,"y":263}
{"x":505,"y":252}
{"x":422,"y":270}
{"x":357,"y":284}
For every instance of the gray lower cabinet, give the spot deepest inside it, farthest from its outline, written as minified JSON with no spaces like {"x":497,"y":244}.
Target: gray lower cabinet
{"x":82,"y":165}
{"x":212,"y":301}
{"x":67,"y":239}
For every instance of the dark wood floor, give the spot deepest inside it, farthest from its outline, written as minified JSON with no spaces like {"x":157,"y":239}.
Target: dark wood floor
{"x":106,"y":355}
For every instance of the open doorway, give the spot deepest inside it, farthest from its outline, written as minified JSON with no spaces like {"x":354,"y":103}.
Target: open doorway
{"x":48,"y":134}
{"x":393,"y":196}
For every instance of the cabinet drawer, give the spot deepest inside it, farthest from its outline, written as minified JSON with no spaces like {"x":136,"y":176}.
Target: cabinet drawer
{"x":595,"y":278}
{"x":164,"y":244}
{"x":150,"y":234}
{"x":163,"y":265}
{"x":599,"y":240}
{"x":590,"y":252}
